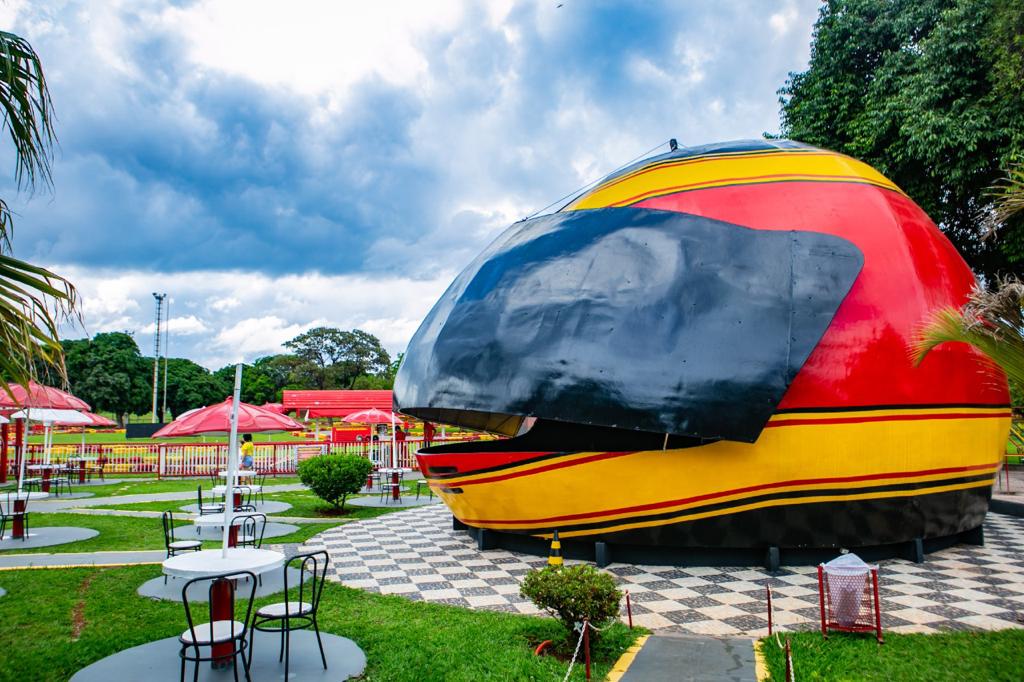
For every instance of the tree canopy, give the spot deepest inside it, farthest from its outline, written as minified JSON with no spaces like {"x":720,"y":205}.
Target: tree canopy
{"x":929,"y":92}
{"x":109,"y":372}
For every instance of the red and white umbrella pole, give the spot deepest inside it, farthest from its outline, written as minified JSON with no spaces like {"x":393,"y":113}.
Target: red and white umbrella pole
{"x":229,"y":497}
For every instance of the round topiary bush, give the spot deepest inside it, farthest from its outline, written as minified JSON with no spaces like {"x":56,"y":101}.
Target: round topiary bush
{"x":572,"y":594}
{"x":333,"y":478}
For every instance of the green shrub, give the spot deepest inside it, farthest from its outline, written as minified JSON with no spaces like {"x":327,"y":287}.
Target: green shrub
{"x":572,"y":594}
{"x":333,"y":478}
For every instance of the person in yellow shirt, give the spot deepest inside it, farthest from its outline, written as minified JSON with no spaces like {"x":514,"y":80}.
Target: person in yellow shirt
{"x":247,"y":450}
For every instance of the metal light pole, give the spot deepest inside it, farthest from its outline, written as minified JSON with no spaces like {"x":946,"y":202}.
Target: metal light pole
{"x":167,"y":333}
{"x":156,"y":349}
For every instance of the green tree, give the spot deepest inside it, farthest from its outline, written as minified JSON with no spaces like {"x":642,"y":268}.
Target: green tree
{"x":929,"y":92}
{"x":33,"y":300}
{"x":338,"y":357}
{"x":190,"y":385}
{"x":258,"y":385}
{"x":109,"y":373}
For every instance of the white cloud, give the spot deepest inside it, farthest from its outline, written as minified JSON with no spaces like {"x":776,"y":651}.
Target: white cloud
{"x":264,"y":310}
{"x":313,"y":46}
{"x":222,"y":305}
{"x":179,"y":326}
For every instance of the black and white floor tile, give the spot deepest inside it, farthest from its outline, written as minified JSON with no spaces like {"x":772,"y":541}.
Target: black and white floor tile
{"x":416,"y":554}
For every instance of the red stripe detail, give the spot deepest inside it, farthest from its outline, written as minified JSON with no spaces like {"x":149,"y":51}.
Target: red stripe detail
{"x":887,"y":418}
{"x":736,"y":491}
{"x":538,"y":470}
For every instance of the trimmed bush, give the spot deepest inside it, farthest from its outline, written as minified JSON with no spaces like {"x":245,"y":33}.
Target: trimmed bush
{"x":572,"y":594}
{"x":333,"y":478}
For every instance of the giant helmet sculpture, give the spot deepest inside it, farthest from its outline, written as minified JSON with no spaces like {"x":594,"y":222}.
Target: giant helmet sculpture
{"x":709,"y":349}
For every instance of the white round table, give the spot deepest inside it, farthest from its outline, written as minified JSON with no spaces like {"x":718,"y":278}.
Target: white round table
{"x":240,"y":473}
{"x":24,"y":495}
{"x":210,"y":562}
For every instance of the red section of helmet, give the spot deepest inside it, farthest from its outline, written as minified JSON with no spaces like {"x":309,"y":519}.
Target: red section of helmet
{"x":910,"y":269}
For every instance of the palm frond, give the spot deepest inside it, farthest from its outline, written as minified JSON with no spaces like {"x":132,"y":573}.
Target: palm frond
{"x":991,"y":321}
{"x":27,"y":110}
{"x":33,"y":303}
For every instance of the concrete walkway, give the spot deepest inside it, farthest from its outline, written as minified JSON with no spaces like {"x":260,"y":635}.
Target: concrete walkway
{"x":678,"y":658}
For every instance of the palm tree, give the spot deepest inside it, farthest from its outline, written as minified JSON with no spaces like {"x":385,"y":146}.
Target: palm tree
{"x":33,"y":300}
{"x":991,"y":321}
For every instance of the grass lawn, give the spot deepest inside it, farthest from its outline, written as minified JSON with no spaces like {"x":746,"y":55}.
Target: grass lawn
{"x":58,"y":621}
{"x":130,"y":533}
{"x":960,"y":656}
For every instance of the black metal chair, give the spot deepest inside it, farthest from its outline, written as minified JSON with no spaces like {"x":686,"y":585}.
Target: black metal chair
{"x":7,"y":513}
{"x":205,"y":508}
{"x":217,"y":630}
{"x":421,"y":483}
{"x":388,"y":486}
{"x":261,"y":483}
{"x":245,"y":494}
{"x":299,"y":613}
{"x":172,"y":545}
{"x":250,"y":530}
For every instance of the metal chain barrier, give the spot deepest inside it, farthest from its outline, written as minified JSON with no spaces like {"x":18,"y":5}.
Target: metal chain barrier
{"x":579,"y":642}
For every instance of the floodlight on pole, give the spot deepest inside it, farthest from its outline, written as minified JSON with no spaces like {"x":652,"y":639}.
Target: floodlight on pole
{"x":156,"y":349}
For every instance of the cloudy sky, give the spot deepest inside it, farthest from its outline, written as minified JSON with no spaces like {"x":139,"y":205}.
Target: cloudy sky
{"x":278,"y":165}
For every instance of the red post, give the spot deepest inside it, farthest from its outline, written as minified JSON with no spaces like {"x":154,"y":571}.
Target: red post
{"x":878,"y":605}
{"x":769,"y":589}
{"x":821,"y":599}
{"x":18,"y":528}
{"x":3,"y":453}
{"x":629,"y":611}
{"x":19,"y":431}
{"x":586,"y":645}
{"x":222,"y":607}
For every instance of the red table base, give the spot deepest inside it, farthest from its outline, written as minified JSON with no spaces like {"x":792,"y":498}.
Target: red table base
{"x":222,"y":608}
{"x":18,"y":527}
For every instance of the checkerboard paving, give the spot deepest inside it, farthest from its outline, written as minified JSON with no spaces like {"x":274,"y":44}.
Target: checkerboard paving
{"x":416,"y":554}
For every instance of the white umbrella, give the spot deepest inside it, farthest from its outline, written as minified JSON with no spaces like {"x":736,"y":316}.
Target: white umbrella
{"x":47,"y":416}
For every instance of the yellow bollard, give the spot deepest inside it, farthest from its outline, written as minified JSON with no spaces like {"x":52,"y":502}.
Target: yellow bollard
{"x":555,"y":555}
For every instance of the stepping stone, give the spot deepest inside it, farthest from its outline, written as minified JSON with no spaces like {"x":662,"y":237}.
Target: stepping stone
{"x":159,"y":661}
{"x":406,"y":501}
{"x":270,"y":507}
{"x":47,"y":536}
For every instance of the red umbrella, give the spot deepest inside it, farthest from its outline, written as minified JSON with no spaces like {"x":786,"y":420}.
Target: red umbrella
{"x":38,"y":395}
{"x":216,"y":419}
{"x":371,"y":416}
{"x":275,"y":407}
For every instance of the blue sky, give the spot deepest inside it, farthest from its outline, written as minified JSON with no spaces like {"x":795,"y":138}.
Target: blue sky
{"x":275,"y":166}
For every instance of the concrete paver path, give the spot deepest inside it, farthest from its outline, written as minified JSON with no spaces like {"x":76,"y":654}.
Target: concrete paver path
{"x":678,"y":658}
